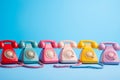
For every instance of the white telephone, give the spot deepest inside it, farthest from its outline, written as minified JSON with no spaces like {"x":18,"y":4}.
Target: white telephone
{"x":67,"y":54}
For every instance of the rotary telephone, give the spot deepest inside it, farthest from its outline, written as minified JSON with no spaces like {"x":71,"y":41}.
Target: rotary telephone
{"x":48,"y":54}
{"x":67,"y":54}
{"x":28,"y":54}
{"x":8,"y":55}
{"x":109,"y":54}
{"x":88,"y":55}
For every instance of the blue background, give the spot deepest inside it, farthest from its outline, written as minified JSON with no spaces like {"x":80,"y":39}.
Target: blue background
{"x":76,"y":20}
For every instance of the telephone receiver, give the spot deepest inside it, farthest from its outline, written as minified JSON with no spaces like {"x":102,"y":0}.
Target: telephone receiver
{"x":28,"y":54}
{"x":109,"y":54}
{"x":85,"y":43}
{"x":88,"y":55}
{"x":48,"y":54}
{"x":8,"y":55}
{"x":64,"y":43}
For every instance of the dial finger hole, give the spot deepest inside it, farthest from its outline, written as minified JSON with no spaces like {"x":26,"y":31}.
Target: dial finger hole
{"x":50,"y":54}
{"x":30,"y":54}
{"x":89,"y":54}
{"x":9,"y":54}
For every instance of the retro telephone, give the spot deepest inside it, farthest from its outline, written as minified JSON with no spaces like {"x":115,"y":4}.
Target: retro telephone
{"x":48,"y":54}
{"x":28,"y":54}
{"x":67,"y":54}
{"x":8,"y":55}
{"x":109,"y":54}
{"x":88,"y":55}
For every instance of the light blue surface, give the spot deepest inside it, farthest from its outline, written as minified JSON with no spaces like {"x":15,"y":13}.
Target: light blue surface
{"x":97,"y":20}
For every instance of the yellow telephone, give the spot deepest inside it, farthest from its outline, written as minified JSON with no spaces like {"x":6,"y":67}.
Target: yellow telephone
{"x":88,"y":55}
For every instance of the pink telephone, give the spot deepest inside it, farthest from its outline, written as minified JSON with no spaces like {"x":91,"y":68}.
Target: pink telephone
{"x":109,"y":54}
{"x":48,"y":54}
{"x":67,"y":54}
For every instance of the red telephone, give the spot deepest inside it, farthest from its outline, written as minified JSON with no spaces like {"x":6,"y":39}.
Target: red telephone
{"x":48,"y":54}
{"x":8,"y":55}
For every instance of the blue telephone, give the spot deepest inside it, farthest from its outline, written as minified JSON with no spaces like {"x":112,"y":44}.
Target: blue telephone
{"x":28,"y":54}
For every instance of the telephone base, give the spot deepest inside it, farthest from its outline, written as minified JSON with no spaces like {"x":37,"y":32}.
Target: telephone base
{"x":9,"y":62}
{"x":89,"y":62}
{"x":31,"y":62}
{"x":49,"y":62}
{"x":69,"y":61}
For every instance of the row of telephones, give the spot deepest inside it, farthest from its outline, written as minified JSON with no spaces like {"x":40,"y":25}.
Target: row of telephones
{"x":67,"y":55}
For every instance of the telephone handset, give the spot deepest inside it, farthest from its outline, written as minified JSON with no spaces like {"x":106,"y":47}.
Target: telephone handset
{"x":8,"y":55}
{"x":28,"y":54}
{"x":109,"y":54}
{"x":48,"y":54}
{"x":88,"y":55}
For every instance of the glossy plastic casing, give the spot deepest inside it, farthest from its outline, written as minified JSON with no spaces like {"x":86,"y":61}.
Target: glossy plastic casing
{"x":28,"y":46}
{"x":88,"y":55}
{"x":67,"y":54}
{"x":48,"y":54}
{"x":109,"y":54}
{"x":8,"y":55}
